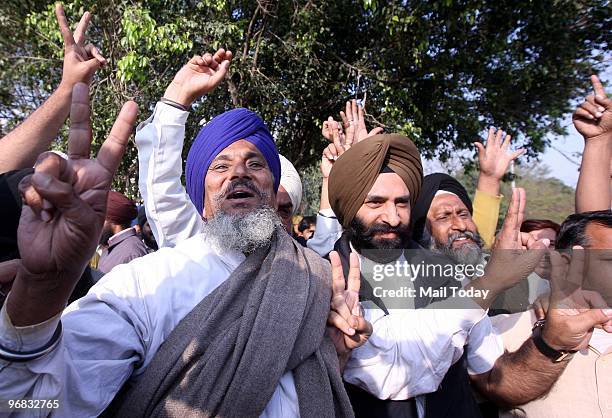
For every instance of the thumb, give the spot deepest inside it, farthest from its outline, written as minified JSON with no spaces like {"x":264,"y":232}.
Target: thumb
{"x":585,"y":321}
{"x":56,"y":192}
{"x":480,"y":148}
{"x":93,"y":64}
{"x":219,"y":75}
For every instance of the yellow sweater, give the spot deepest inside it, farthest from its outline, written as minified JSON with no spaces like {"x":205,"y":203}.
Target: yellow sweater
{"x":485,"y":216}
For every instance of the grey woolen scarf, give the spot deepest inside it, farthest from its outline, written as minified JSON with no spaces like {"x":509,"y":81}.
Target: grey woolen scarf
{"x":226,"y":357}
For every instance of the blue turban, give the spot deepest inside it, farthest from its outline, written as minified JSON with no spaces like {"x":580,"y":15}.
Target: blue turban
{"x":218,"y":134}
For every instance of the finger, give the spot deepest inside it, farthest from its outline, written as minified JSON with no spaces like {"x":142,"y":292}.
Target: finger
{"x":336,"y":140}
{"x":331,"y":149}
{"x":575,"y":274}
{"x":558,"y":270}
{"x":349,"y":111}
{"x":506,"y":142}
{"x":113,"y":148}
{"x":207,"y":58}
{"x":510,"y":222}
{"x":219,"y":75}
{"x":361,"y":117}
{"x":481,"y":149}
{"x":604,"y":102}
{"x":79,"y":32}
{"x":219,"y":56}
{"x":228,"y":55}
{"x":363,"y":326}
{"x":335,"y":320}
{"x":592,"y":108}
{"x":345,"y":120}
{"x":498,"y":138}
{"x":30,"y":196}
{"x":517,"y":153}
{"x":354,"y":275}
{"x":490,"y":137}
{"x":375,"y":131}
{"x":355,"y":111}
{"x":522,"y":205}
{"x":60,"y":194}
{"x":586,"y":321}
{"x":581,"y":113}
{"x":93,"y":52}
{"x":597,"y":86}
{"x":8,"y":270}
{"x":338,"y":284}
{"x":79,"y":136}
{"x":63,"y":24}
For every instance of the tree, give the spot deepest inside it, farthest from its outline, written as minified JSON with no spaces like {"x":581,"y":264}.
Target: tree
{"x":439,"y":72}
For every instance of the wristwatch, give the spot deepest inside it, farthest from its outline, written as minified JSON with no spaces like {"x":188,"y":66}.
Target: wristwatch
{"x":555,"y":355}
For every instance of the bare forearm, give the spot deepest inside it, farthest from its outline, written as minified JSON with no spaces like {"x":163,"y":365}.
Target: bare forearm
{"x":20,"y":147}
{"x":593,"y":189}
{"x":35,"y":298}
{"x":488,"y":185}
{"x":324,"y":204}
{"x":521,"y":376}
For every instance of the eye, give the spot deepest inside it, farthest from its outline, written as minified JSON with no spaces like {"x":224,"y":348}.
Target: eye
{"x":220,"y":167}
{"x":373,"y":205}
{"x":256,"y":164}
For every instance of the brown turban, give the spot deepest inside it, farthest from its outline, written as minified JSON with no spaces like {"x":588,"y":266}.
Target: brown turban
{"x":356,"y":171}
{"x":119,"y":209}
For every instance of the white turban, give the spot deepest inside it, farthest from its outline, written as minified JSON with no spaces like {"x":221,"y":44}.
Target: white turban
{"x":291,"y":182}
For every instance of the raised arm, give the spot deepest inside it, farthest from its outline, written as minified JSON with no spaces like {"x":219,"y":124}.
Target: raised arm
{"x":160,"y":139}
{"x":593,"y":119}
{"x":493,"y":161}
{"x":20,"y":147}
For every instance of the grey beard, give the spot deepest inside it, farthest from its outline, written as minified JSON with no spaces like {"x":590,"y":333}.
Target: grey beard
{"x":467,"y":254}
{"x":242,"y":232}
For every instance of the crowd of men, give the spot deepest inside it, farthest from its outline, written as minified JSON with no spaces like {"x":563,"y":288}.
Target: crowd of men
{"x":215,"y":298}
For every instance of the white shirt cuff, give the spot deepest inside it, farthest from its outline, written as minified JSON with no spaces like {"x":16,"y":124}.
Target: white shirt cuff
{"x":28,"y":338}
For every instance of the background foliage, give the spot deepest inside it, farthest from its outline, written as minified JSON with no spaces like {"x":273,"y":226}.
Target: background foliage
{"x":438,"y":71}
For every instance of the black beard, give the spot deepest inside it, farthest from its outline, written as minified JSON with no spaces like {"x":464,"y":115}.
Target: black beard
{"x":107,"y":233}
{"x":363,"y":239}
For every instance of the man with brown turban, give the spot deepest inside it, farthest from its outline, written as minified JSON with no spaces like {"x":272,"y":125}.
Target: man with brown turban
{"x":120,"y":240}
{"x":414,"y":362}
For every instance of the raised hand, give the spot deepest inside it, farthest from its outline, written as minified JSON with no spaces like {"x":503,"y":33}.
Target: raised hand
{"x":353,"y":120}
{"x":494,"y":157}
{"x":198,"y":77}
{"x":573,"y":312}
{"x":80,"y":60}
{"x":63,"y":212}
{"x":593,"y":118}
{"x":328,"y":129}
{"x":333,"y":150}
{"x":347,"y":327}
{"x":515,"y":254}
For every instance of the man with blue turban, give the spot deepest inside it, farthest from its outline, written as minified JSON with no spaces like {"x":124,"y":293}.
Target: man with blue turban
{"x":229,"y":322}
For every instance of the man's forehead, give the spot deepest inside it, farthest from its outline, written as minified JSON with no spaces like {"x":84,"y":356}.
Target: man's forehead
{"x":389,"y":185}
{"x":241,"y":148}
{"x":599,"y":236}
{"x":446,"y":201}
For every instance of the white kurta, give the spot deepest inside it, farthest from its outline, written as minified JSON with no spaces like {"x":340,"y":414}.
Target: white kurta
{"x":113,"y":332}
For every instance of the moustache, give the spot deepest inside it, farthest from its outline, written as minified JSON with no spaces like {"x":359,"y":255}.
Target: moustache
{"x":467,"y":234}
{"x":244,"y":184}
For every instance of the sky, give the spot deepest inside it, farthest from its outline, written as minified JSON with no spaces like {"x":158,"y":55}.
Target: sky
{"x":553,"y":157}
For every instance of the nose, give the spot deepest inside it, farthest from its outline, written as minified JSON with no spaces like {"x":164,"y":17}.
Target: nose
{"x":239,"y":170}
{"x":390,"y":215}
{"x":459,"y":223}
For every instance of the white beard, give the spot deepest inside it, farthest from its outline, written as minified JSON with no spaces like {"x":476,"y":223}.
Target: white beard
{"x":242,"y":232}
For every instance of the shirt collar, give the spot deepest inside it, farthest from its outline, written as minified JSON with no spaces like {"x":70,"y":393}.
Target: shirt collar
{"x":121,"y":236}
